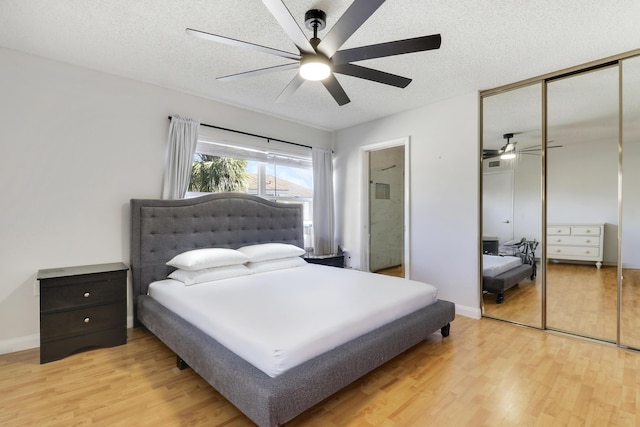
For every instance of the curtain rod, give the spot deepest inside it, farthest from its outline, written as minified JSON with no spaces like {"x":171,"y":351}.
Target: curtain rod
{"x":253,"y":134}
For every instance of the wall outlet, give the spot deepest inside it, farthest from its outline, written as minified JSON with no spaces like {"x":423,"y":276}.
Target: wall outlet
{"x":36,"y":288}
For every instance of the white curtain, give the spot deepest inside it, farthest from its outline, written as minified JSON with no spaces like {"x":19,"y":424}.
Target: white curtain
{"x":181,"y":146}
{"x":323,"y":215}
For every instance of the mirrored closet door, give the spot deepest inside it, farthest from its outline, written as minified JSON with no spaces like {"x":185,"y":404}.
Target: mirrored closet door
{"x":582,"y":203}
{"x":630,"y":247}
{"x":512,"y":205}
{"x":561,"y":170}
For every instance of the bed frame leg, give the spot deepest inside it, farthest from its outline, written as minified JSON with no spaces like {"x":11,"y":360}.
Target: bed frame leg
{"x":181,"y":364}
{"x":500,"y":298}
{"x":445,"y":330}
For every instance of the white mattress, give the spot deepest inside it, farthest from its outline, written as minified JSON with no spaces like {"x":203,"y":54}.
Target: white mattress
{"x":279,"y":319}
{"x":493,"y":265}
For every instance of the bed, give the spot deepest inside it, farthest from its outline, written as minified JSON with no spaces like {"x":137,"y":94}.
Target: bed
{"x":162,"y":229}
{"x":500,"y":273}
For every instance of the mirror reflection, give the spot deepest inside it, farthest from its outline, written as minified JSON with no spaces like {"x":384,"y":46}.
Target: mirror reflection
{"x":630,"y":247}
{"x":582,"y":203}
{"x":512,"y":205}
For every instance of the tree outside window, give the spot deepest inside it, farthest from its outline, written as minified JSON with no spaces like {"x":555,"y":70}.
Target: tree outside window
{"x":212,"y":174}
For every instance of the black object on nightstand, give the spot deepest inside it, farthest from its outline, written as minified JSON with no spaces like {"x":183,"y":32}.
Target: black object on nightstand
{"x":330,"y":260}
{"x":490,"y":245}
{"x":82,"y":307}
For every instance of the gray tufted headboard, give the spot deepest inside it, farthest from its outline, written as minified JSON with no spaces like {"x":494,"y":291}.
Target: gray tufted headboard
{"x":161,"y":229}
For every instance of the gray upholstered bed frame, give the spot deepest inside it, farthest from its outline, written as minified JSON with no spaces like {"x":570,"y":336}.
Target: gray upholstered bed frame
{"x":502,"y":282}
{"x":161,"y":229}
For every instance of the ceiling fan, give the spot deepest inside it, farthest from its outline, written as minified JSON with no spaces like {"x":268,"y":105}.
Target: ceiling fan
{"x":508,"y":151}
{"x":319,"y":60}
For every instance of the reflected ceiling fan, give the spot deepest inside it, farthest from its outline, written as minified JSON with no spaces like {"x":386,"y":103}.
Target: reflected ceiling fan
{"x":508,"y":151}
{"x":319,"y":60}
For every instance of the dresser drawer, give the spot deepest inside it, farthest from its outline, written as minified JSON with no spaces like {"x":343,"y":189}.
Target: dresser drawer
{"x":560,"y":230}
{"x":83,"y":294}
{"x":574,"y":240}
{"x":585,"y":231}
{"x":82,"y":321}
{"x":573,"y":251}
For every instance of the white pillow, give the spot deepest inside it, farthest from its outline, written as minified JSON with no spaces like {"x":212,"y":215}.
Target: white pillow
{"x":276,"y":264}
{"x":199,"y":259}
{"x":210,"y":274}
{"x":267,"y":251}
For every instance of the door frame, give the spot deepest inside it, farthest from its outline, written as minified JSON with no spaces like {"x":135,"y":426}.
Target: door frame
{"x":364,"y":198}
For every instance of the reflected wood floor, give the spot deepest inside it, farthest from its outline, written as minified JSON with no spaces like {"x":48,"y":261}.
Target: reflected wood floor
{"x":581,"y":299}
{"x":486,"y":373}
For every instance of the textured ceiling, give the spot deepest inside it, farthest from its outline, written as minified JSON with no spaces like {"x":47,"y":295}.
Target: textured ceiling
{"x":484,"y":44}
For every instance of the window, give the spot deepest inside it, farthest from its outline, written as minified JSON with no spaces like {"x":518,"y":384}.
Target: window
{"x":276,"y":176}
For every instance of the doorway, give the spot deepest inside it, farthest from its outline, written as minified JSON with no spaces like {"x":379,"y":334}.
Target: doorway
{"x":386,"y":208}
{"x":497,"y":213}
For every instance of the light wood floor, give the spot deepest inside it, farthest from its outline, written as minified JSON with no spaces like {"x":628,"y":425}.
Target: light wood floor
{"x":486,"y":373}
{"x":397,"y":271}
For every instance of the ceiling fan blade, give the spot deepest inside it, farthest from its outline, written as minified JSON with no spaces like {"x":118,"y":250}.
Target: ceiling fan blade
{"x":288,"y":24}
{"x":239,"y":43}
{"x":259,"y":72}
{"x":489,"y":154}
{"x":371,"y":74}
{"x":293,"y":85}
{"x":398,"y":47}
{"x":537,"y":148}
{"x":336,"y":90}
{"x":349,"y":22}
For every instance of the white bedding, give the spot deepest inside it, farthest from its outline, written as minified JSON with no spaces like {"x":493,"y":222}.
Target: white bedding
{"x":279,"y":319}
{"x":493,"y":265}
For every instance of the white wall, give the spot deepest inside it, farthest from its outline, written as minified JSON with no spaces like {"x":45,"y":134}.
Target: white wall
{"x":444,"y":181}
{"x":76,"y":146}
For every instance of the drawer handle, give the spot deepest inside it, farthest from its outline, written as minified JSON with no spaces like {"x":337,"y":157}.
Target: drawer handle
{"x":588,"y":240}
{"x":558,"y":250}
{"x":87,"y":320}
{"x":588,"y":230}
{"x":559,"y":240}
{"x":87,"y":294}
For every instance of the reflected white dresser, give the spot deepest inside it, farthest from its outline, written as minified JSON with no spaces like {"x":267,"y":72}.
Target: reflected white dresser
{"x":575,"y":242}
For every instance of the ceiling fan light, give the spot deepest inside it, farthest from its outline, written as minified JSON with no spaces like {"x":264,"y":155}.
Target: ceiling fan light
{"x":314,"y":68}
{"x":508,"y":156}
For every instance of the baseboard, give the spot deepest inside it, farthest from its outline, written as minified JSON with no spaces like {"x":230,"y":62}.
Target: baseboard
{"x":471,"y":312}
{"x":18,"y":344}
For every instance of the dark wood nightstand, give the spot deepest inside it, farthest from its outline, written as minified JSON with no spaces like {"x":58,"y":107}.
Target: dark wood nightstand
{"x":330,"y":260}
{"x":82,"y":307}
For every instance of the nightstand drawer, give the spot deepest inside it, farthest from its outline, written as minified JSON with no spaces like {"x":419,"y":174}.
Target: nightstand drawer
{"x":54,"y":350}
{"x":84,"y":294}
{"x":82,"y":321}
